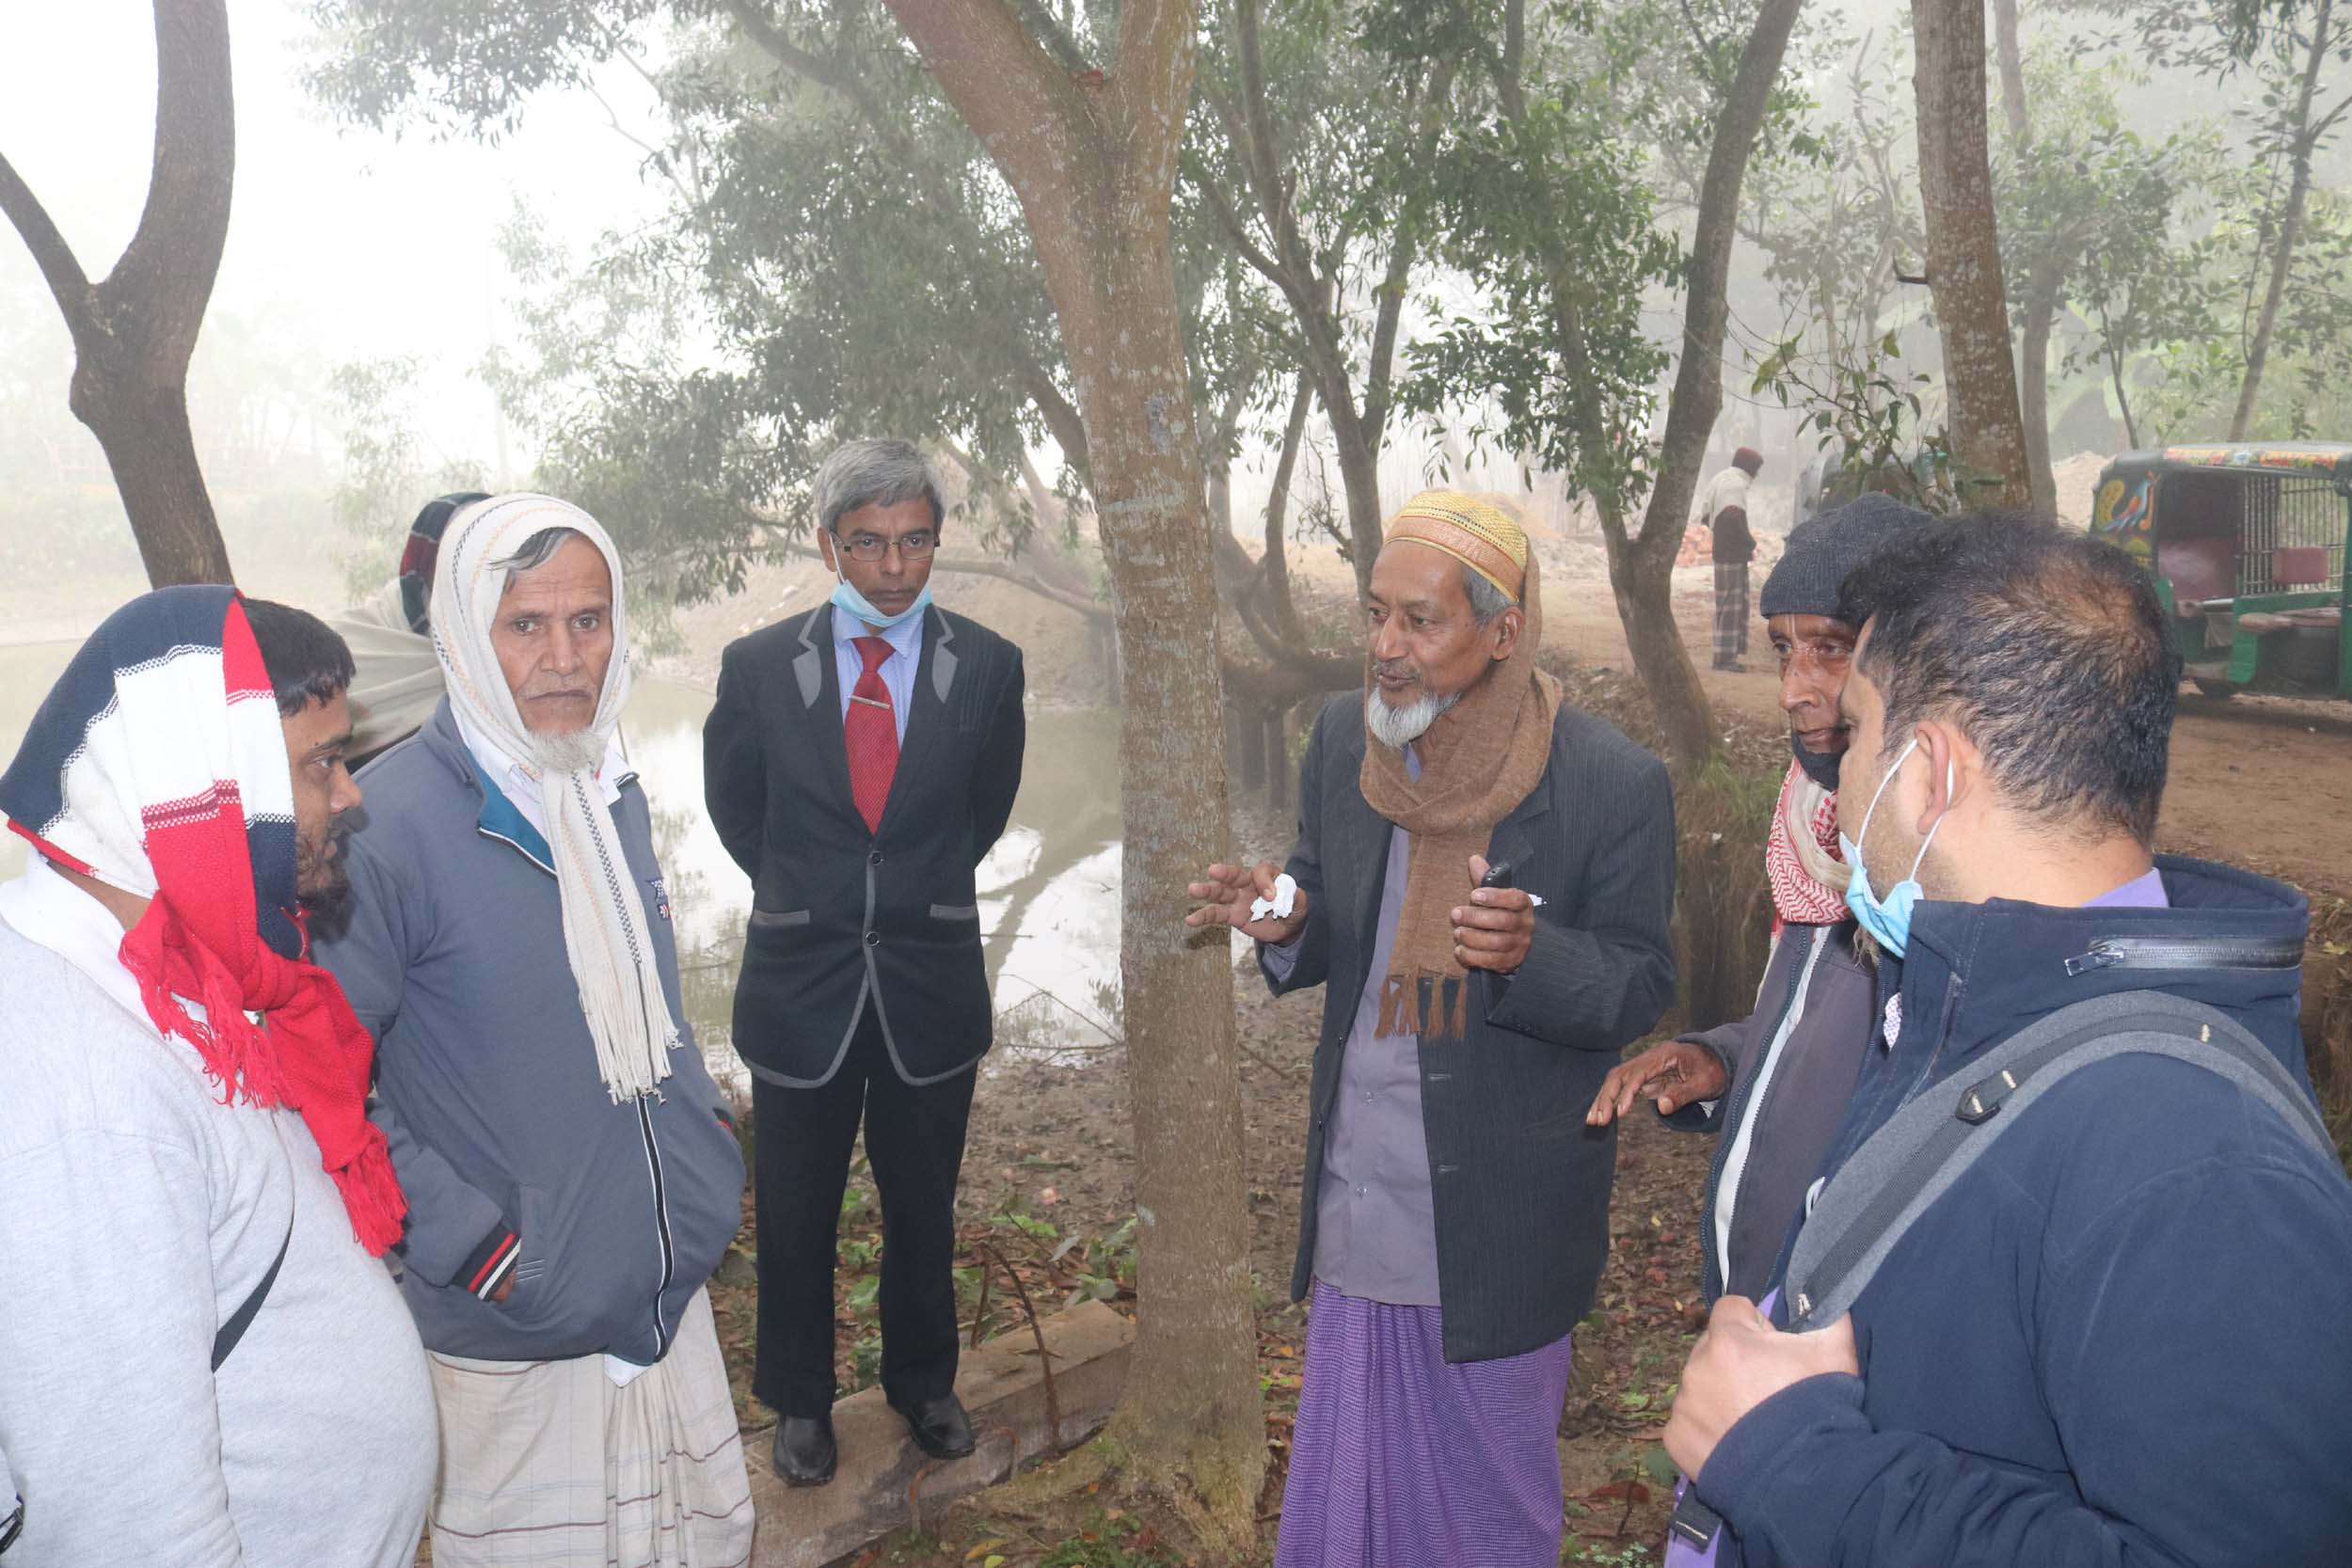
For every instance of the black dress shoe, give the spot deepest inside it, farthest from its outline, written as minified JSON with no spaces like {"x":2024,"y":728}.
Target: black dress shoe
{"x":939,"y":1426}
{"x":805,"y":1453}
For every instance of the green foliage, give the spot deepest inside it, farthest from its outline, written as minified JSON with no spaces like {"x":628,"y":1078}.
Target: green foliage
{"x":1545,"y":213}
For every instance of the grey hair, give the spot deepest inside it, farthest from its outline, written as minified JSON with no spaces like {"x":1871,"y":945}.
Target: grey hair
{"x":1486,"y":601}
{"x":536,"y":551}
{"x":873,"y":473}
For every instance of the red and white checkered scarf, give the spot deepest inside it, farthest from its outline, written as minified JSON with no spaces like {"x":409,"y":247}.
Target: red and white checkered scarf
{"x":1801,"y":858}
{"x":157,"y":765}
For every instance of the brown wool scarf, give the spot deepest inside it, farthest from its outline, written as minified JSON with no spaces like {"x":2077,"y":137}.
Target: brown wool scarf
{"x":1480,"y":758}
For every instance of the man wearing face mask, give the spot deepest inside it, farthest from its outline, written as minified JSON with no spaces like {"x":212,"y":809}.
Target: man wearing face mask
{"x":861,"y":760}
{"x":1774,"y":1083}
{"x":2115,"y":1332}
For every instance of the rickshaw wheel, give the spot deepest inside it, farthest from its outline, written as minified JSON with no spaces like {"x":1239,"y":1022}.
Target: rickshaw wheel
{"x":2219,"y":691}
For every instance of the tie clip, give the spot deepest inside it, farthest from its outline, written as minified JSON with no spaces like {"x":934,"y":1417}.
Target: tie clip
{"x":869,"y":701}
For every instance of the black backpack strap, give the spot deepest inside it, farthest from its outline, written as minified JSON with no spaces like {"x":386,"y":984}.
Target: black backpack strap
{"x":242,"y":1319}
{"x":1912,"y":1160}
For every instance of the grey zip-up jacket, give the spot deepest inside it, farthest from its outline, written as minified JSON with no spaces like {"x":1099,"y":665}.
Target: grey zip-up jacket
{"x":513,"y":1156}
{"x":1791,"y":1066}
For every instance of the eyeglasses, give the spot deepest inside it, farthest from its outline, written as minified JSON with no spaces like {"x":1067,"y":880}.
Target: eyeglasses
{"x":873,"y":547}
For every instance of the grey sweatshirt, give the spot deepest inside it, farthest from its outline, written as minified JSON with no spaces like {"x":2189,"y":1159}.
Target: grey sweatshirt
{"x":136,"y":1213}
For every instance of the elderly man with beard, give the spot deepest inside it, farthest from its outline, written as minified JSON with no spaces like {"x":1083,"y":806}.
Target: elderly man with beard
{"x":1775,"y":1083}
{"x":201,"y":1362}
{"x":1454,"y":1213}
{"x":572,"y":1173}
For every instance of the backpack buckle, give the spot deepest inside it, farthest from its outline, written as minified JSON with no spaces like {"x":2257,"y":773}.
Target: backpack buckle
{"x":1976,"y":1106}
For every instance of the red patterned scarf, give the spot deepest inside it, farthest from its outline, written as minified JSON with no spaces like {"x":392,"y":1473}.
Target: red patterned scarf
{"x":157,"y":766}
{"x":1801,"y":857}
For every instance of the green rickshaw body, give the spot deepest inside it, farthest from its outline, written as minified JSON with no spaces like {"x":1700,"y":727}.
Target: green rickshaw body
{"x":2248,"y":546}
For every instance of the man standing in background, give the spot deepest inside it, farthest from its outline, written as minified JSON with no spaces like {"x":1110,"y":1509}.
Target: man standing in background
{"x":859,"y":763}
{"x":1725,"y":512}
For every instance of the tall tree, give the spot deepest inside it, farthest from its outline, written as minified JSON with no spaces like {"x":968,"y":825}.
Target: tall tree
{"x":2297,"y":136}
{"x":1316,"y":168}
{"x":1091,"y":153}
{"x":134,"y":330}
{"x":1963,"y":253}
{"x":1546,"y":208}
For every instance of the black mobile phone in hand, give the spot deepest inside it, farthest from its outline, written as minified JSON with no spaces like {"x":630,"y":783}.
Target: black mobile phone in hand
{"x":1500,"y":875}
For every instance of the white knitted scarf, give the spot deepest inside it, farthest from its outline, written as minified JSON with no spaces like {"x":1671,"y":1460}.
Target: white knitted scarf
{"x":606,"y":934}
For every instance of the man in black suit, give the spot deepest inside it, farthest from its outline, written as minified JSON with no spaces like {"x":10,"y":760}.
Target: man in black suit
{"x":860,"y":761}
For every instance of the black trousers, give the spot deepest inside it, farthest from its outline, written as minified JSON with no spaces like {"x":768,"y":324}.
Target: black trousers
{"x":801,"y":1140}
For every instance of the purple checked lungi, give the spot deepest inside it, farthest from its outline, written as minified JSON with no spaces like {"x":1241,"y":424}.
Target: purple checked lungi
{"x":1403,"y":1460}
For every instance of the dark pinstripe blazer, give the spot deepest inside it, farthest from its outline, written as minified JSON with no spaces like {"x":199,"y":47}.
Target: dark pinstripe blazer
{"x":1520,"y":1183}
{"x":843,"y":918}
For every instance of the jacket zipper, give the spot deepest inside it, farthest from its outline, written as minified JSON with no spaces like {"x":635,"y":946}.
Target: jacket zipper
{"x":1752,"y":1106}
{"x":661,"y":1226}
{"x":2187,"y":953}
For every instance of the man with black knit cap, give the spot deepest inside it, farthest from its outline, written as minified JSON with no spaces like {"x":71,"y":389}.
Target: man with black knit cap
{"x":1774,"y":1083}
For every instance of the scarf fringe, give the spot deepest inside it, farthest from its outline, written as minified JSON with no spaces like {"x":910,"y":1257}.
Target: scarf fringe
{"x":372,"y":1195}
{"x":1432,"y":1006}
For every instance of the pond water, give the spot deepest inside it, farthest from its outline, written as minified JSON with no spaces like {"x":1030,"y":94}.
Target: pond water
{"x":1049,"y":891}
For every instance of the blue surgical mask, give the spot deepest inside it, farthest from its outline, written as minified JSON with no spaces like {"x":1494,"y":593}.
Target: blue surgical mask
{"x":1888,"y":921}
{"x":848,"y":598}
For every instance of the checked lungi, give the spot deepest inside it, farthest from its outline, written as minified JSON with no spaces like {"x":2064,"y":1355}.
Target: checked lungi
{"x":1731,"y":609}
{"x":552,"y":1462}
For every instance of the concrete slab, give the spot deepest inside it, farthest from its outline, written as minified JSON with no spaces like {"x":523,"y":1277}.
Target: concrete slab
{"x":886,"y":1481}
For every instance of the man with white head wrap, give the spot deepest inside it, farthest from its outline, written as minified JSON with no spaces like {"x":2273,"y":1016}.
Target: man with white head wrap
{"x":572,"y":1170}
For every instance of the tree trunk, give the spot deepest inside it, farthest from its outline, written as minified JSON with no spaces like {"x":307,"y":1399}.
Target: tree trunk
{"x":1359,"y":454}
{"x":1281,"y":607}
{"x":2290,"y":223}
{"x":1641,"y":569}
{"x":1963,"y":252}
{"x":2033,"y":364}
{"x":1092,"y":161}
{"x":144,"y":432}
{"x":2123,"y":400}
{"x":2012,"y":58}
{"x":1278,"y":757}
{"x":135,"y":332}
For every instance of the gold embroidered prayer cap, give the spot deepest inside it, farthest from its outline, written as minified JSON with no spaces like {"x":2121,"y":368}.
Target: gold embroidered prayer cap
{"x":1477,"y":533}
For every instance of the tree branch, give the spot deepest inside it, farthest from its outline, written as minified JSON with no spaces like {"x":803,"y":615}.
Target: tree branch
{"x":1062,"y":418}
{"x":58,"y":268}
{"x":771,"y":41}
{"x":166,"y":275}
{"x":1403,"y":253}
{"x":1039,"y":125}
{"x":1057,"y":38}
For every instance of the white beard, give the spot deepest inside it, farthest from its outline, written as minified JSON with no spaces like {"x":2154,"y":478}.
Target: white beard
{"x":1399,"y":727}
{"x":580,"y":751}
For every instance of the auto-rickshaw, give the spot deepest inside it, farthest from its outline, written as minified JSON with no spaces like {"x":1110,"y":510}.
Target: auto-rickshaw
{"x":2247,"y":545}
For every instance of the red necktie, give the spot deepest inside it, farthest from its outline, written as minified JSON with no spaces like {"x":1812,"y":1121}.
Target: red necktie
{"x":870,"y":731}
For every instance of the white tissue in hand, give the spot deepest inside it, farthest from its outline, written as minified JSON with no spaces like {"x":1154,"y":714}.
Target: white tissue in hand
{"x":1284,"y":900}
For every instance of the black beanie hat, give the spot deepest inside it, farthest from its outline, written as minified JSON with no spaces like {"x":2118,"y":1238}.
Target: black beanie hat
{"x":1819,"y":553}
